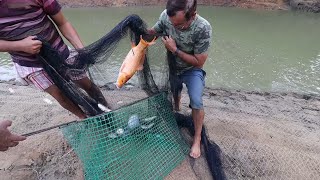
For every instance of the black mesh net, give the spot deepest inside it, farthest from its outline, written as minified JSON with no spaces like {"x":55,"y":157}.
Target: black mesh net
{"x":102,"y":60}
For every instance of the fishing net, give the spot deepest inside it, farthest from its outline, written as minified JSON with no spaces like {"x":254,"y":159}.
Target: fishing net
{"x":105,"y":143}
{"x":256,"y":135}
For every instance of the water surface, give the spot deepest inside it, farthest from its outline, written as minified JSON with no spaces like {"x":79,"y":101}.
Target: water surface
{"x":252,"y":50}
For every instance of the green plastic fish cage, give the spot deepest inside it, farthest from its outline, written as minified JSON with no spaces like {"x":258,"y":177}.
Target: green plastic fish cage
{"x":138,"y":141}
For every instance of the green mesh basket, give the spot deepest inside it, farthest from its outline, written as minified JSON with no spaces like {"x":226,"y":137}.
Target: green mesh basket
{"x":139,"y":141}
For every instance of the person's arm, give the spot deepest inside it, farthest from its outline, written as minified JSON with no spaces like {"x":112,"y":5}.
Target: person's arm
{"x":196,"y":60}
{"x":67,"y":30}
{"x":7,"y":139}
{"x":28,"y":45}
{"x":151,"y":31}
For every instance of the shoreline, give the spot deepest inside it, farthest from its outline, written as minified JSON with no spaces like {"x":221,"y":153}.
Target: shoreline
{"x":208,"y":91}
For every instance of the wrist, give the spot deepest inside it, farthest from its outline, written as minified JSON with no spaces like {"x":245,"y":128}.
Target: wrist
{"x":16,"y":46}
{"x":79,"y":45}
{"x":176,"y":51}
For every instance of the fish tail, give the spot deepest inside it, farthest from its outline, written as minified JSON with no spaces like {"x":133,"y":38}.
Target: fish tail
{"x":146,"y":42}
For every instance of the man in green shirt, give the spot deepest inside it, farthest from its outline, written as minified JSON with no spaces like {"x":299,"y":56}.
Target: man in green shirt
{"x":188,"y":38}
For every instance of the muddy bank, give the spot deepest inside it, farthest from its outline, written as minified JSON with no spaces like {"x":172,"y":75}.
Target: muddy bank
{"x":254,"y":4}
{"x":310,"y":5}
{"x":260,"y":134}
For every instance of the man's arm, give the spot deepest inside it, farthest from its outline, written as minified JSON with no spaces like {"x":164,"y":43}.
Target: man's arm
{"x":28,"y":45}
{"x":196,"y":60}
{"x":158,"y":27}
{"x":151,"y":31}
{"x":67,"y":30}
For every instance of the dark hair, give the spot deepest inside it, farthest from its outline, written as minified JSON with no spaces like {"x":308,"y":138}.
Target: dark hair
{"x":188,"y":6}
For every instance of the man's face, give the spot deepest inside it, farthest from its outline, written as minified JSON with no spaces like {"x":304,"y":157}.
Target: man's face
{"x":179,"y":21}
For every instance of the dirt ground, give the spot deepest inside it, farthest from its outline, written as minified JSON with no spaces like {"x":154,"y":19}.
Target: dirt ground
{"x":261,"y":135}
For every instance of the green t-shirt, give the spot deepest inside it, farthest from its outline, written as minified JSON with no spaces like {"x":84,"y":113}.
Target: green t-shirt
{"x":194,"y":40}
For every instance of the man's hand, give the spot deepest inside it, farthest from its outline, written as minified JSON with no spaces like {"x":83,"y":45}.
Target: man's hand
{"x":6,"y":138}
{"x":30,"y":45}
{"x":169,"y":43}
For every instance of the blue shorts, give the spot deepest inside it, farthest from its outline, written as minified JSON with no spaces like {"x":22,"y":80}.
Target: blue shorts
{"x":194,"y":80}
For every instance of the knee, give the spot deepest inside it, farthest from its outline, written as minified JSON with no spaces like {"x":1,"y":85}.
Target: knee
{"x":57,"y":94}
{"x":85,"y":84}
{"x":62,"y":99}
{"x":196,"y":102}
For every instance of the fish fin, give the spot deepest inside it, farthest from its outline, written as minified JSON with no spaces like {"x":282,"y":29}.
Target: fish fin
{"x":122,"y":66}
{"x":140,"y":67}
{"x":133,"y":45}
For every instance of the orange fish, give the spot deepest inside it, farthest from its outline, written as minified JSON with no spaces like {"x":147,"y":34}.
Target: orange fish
{"x":133,"y":61}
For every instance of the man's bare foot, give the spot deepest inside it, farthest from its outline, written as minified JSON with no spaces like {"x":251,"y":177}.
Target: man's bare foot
{"x":195,"y":151}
